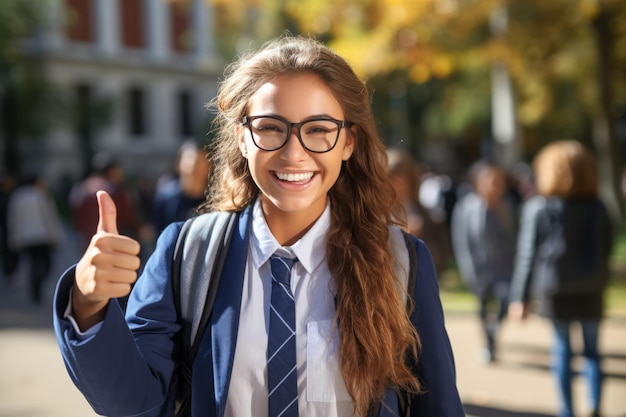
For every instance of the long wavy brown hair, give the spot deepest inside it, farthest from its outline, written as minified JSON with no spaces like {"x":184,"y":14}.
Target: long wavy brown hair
{"x":372,"y":317}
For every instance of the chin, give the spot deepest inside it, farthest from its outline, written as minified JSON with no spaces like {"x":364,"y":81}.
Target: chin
{"x":298,"y":206}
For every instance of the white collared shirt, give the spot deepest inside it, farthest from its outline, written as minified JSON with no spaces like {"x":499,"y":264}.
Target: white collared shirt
{"x":321,"y":389}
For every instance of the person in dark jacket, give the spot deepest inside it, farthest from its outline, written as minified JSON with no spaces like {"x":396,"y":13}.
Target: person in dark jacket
{"x":562,"y":261}
{"x":180,"y":197}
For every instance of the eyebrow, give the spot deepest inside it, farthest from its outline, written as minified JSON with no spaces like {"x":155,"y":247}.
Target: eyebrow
{"x":312,"y":117}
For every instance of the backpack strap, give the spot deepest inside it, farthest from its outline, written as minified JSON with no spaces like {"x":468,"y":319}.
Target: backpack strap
{"x":197,"y":265}
{"x":409,"y":240}
{"x":404,"y":398}
{"x":404,"y":247}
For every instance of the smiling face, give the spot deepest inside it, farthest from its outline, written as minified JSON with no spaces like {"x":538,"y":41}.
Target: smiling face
{"x":294,"y":182}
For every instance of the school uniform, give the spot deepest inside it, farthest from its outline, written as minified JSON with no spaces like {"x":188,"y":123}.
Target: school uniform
{"x":125,"y":367}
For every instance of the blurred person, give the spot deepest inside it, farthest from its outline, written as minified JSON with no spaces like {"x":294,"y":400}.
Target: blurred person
{"x":108,"y":175}
{"x":179,"y":198}
{"x":406,"y":176}
{"x":437,"y":193}
{"x":34,"y":229}
{"x":484,"y":234}
{"x":562,"y":261}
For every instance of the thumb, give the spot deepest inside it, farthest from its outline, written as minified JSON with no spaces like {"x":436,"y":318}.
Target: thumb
{"x":107,"y":213}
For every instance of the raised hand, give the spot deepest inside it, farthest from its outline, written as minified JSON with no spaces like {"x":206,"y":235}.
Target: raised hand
{"x":107,"y":269}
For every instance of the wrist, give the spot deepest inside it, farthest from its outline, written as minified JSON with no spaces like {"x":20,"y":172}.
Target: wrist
{"x":87,"y":312}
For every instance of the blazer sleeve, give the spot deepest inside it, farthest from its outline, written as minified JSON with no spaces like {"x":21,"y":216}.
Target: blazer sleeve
{"x":435,"y":366}
{"x":126,"y":367}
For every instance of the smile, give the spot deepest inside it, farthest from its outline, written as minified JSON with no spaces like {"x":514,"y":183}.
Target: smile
{"x":294,"y":177}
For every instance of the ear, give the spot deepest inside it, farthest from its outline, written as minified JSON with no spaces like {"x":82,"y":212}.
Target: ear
{"x":348,"y":147}
{"x":243,"y":147}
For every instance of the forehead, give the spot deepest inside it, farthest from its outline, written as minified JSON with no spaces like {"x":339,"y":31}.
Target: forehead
{"x":295,"y":96}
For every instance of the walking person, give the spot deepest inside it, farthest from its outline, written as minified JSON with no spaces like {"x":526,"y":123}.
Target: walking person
{"x":106,"y":174}
{"x":562,"y":261}
{"x":484,"y":234}
{"x":314,"y":258}
{"x":34,"y":230}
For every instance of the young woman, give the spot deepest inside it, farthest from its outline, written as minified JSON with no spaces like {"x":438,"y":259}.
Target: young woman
{"x":298,"y":155}
{"x":562,"y":260}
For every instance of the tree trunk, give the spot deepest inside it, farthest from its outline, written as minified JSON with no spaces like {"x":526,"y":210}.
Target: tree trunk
{"x":10,"y":130}
{"x":604,"y":138}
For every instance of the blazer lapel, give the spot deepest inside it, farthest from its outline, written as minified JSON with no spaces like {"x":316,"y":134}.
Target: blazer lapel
{"x":225,"y":319}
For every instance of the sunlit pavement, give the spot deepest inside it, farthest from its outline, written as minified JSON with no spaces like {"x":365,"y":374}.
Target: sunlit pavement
{"x":34,"y":383}
{"x":519,"y":383}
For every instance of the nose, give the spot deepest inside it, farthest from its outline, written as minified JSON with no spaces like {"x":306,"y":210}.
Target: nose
{"x":293,"y":149}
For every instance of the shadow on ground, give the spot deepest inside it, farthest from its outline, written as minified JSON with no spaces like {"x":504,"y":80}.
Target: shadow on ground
{"x":483,"y":411}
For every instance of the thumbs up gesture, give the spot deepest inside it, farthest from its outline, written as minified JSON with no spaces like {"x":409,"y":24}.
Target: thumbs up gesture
{"x":107,"y":269}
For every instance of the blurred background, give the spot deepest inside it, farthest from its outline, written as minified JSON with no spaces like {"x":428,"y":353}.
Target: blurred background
{"x":88,"y":84}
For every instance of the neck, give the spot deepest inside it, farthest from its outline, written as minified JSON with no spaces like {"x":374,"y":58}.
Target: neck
{"x":288,"y":227}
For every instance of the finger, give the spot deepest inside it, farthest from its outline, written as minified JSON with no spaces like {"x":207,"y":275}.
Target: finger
{"x":115,"y":276}
{"x":116,"y":243}
{"x":107,"y":213}
{"x":110,"y":289}
{"x":116,"y":260}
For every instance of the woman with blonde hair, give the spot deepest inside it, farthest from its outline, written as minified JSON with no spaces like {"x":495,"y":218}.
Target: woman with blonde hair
{"x":562,"y":261}
{"x":298,"y":159}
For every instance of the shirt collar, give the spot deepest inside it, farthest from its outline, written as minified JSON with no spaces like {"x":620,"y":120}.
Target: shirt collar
{"x":310,"y":249}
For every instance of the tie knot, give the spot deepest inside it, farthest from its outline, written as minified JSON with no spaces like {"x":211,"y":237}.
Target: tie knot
{"x":281,"y":268}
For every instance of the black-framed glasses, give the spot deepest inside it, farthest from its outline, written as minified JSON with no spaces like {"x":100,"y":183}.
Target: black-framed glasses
{"x":270,"y":133}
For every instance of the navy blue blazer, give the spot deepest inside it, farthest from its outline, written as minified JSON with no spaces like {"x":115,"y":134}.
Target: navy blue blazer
{"x":127,"y":367}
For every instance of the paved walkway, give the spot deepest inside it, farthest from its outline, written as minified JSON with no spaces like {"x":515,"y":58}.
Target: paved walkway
{"x":520,"y":384}
{"x":34,"y":383}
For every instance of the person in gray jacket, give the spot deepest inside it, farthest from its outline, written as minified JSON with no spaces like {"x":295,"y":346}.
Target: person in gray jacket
{"x":484,"y":233}
{"x":562,"y":260}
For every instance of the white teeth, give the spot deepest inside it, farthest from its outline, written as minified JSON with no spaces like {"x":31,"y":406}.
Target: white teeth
{"x":302,"y":176}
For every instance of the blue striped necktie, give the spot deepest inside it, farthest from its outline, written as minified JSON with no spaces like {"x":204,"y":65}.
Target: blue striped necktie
{"x":281,"y":349}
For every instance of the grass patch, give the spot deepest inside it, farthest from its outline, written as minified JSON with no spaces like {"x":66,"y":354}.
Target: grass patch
{"x":618,"y":258}
{"x":616,"y":297}
{"x":456,"y":298}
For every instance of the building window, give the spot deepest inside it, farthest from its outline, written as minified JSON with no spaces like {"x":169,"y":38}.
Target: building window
{"x":132,"y":18}
{"x":180,"y":29}
{"x":184,"y":114}
{"x":79,"y":16}
{"x":137,"y":111}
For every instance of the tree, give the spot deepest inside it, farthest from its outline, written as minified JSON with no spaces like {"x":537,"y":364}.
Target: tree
{"x":26,"y":96}
{"x":566,"y":60}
